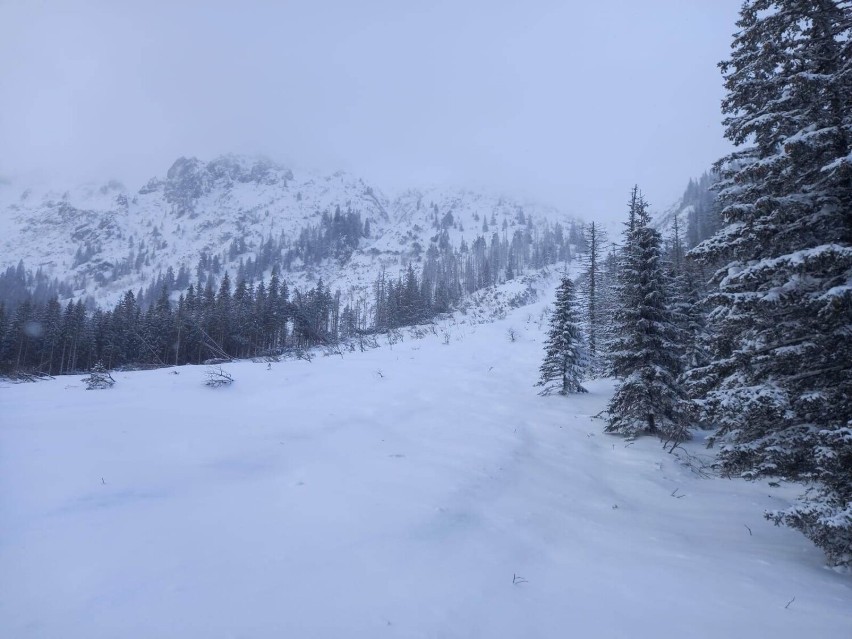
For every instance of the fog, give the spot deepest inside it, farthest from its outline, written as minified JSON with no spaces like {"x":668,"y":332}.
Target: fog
{"x":564,"y":102}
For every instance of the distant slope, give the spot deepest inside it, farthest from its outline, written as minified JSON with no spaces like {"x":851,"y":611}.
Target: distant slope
{"x":105,"y":239}
{"x":696,"y":212}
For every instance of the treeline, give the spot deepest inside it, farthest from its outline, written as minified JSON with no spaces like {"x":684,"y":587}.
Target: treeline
{"x":17,"y":284}
{"x":334,"y":238}
{"x":221,"y":319}
{"x":229,"y":322}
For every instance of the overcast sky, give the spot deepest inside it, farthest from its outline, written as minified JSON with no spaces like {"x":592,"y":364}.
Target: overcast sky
{"x":563,"y":101}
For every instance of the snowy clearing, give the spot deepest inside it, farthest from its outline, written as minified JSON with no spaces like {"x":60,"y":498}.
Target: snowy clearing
{"x":418,"y":490}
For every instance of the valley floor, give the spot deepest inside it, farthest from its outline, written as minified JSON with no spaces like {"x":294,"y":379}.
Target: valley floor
{"x":417,"y":490}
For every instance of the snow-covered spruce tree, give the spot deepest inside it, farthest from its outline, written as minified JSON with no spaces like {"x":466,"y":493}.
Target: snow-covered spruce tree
{"x":779,"y":386}
{"x":595,"y":239}
{"x":645,"y":352}
{"x":99,"y":378}
{"x":688,"y":314}
{"x":565,"y":353}
{"x":607,"y":305}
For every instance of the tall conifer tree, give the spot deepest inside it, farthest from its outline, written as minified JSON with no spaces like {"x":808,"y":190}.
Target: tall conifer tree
{"x":565,"y":352}
{"x":645,"y":353}
{"x":594,"y":238}
{"x":779,"y":385}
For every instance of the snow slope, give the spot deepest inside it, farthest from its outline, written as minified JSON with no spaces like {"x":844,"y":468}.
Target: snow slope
{"x":396,"y":492}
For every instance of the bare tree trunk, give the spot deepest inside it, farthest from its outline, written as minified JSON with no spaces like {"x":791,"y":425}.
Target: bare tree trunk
{"x":652,"y":427}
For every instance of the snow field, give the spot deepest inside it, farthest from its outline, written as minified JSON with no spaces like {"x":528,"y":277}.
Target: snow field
{"x":397,"y":492}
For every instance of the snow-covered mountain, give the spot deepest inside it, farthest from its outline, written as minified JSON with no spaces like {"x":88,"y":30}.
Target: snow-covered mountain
{"x":103,"y":239}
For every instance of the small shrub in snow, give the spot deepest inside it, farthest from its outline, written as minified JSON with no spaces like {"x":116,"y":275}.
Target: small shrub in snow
{"x":99,"y":378}
{"x":217,"y":376}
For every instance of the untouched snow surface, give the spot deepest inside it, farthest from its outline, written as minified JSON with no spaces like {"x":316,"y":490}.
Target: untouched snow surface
{"x":393,"y":493}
